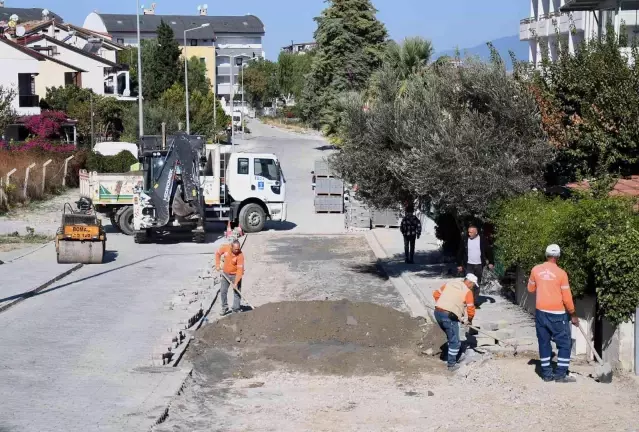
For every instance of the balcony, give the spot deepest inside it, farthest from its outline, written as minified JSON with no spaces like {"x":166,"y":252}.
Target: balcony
{"x":28,"y":101}
{"x":525,"y":26}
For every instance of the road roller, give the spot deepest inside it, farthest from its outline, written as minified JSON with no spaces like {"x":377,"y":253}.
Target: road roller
{"x":81,"y":238}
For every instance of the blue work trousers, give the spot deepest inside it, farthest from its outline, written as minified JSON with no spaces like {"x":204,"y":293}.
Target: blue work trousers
{"x":553,"y":327}
{"x":452,"y":333}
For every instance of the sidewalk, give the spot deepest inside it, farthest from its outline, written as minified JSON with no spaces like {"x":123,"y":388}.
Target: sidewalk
{"x":430,"y":271}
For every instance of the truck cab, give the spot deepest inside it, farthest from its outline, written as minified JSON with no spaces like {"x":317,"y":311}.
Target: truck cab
{"x":244,"y":188}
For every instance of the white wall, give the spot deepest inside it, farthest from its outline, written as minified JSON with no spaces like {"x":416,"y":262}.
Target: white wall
{"x":12,"y":63}
{"x":95,"y":23}
{"x":94,"y":76}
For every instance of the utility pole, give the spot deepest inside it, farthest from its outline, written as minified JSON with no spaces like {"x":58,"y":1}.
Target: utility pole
{"x":243,"y":107}
{"x":140,"y":110}
{"x":92,"y":134}
{"x":186,"y":87}
{"x":232,"y":97}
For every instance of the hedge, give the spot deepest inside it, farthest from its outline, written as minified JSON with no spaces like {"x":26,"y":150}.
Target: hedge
{"x":119,"y":163}
{"x":599,"y":238}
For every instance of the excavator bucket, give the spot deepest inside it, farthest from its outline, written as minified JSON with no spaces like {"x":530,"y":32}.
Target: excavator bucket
{"x":80,"y":252}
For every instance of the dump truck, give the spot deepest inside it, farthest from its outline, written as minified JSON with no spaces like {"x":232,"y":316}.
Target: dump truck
{"x":188,"y":184}
{"x":80,"y":238}
{"x":112,"y":195}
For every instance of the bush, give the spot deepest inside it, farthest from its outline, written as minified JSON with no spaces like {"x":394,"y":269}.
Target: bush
{"x":119,"y":163}
{"x":598,"y":238}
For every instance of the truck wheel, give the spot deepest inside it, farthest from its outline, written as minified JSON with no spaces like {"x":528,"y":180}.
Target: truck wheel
{"x":125,"y":221}
{"x":113,"y":217}
{"x":141,"y":237}
{"x":252,"y":218}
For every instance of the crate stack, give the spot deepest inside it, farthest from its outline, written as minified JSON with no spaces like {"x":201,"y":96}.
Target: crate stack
{"x":329,"y":190}
{"x":388,"y":218}
{"x":357,"y":216}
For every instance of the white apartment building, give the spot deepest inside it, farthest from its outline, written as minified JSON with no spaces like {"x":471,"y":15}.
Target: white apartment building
{"x":218,"y":46}
{"x":575,"y":20}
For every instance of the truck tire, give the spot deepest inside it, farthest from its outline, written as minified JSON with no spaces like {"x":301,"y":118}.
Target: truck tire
{"x":113,"y":217}
{"x":252,"y":218}
{"x":125,"y":221}
{"x":141,"y":237}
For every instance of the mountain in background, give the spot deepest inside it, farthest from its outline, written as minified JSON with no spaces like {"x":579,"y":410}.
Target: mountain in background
{"x":502,"y":45}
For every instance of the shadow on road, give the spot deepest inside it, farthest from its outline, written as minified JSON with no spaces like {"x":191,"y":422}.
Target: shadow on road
{"x":279,"y":226}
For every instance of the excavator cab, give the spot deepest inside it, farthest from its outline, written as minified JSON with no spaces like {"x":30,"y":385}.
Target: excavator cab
{"x":81,"y":238}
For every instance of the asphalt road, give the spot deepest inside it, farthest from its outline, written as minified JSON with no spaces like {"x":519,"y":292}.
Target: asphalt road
{"x":78,"y":356}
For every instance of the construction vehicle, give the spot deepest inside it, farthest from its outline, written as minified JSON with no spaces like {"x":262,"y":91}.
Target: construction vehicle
{"x":81,"y":237}
{"x":188,"y":184}
{"x":112,"y":195}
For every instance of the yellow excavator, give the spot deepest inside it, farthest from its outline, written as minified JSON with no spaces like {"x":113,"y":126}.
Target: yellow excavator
{"x":81,"y":238}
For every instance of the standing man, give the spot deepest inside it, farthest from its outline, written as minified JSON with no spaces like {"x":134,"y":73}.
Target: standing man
{"x":552,"y":320}
{"x":474,"y":252}
{"x":411,"y":229}
{"x":233,"y":269}
{"x":451,"y":300}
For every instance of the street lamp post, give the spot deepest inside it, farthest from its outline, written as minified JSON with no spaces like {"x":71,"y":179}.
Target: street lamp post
{"x":239,"y":61}
{"x":140,"y":110}
{"x":186,"y":77}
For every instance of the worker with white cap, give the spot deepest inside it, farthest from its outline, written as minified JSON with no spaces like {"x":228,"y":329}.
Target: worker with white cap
{"x":452,"y":300}
{"x":555,"y":311}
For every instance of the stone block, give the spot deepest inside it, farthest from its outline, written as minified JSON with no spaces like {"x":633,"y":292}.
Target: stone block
{"x":485,"y":340}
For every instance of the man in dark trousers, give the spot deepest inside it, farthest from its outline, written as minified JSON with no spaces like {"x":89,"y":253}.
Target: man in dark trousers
{"x":474,"y":253}
{"x":411,"y":229}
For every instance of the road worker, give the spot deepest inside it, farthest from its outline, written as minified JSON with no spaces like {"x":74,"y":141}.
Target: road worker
{"x":452,"y":299}
{"x":232,"y":270}
{"x":555,"y":311}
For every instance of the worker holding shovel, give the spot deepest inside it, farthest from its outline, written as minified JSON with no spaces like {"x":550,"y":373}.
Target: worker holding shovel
{"x":555,"y":311}
{"x":451,"y":301}
{"x":233,"y":270}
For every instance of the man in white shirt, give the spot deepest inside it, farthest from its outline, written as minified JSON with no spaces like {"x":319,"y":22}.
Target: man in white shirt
{"x":474,"y":253}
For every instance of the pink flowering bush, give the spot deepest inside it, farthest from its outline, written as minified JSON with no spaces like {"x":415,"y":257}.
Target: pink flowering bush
{"x":39,"y":145}
{"x":46,"y":125}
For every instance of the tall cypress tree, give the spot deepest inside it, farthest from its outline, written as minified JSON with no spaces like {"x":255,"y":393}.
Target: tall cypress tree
{"x":351,"y":43}
{"x":163,"y":68}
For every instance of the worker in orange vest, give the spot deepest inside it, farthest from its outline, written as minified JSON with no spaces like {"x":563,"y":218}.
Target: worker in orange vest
{"x":452,"y":299}
{"x":233,"y":269}
{"x":555,"y":311}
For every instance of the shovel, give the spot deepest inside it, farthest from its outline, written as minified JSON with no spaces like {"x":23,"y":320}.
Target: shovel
{"x":603,"y":371}
{"x":236,"y":290}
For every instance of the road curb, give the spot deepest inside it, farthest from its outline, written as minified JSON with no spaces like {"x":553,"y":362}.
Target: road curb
{"x":412,"y":299}
{"x":40,"y":288}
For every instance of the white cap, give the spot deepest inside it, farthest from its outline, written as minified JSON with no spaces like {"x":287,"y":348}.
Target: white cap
{"x":553,"y":251}
{"x":471,"y":277}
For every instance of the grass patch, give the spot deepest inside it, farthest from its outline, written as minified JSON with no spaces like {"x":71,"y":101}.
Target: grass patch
{"x":294,"y":125}
{"x":29,"y":238}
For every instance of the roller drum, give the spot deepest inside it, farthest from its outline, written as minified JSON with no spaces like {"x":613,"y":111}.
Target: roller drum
{"x":80,"y":252}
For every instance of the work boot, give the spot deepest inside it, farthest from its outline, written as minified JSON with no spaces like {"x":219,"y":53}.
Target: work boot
{"x":453,"y":368}
{"x":548,"y":379}
{"x":566,"y":379}
{"x":225,"y":311}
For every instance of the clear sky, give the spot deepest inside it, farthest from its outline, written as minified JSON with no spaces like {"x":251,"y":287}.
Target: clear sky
{"x":448,"y":24}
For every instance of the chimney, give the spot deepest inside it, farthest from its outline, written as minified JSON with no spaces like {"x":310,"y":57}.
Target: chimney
{"x":203,"y":9}
{"x":150,"y":11}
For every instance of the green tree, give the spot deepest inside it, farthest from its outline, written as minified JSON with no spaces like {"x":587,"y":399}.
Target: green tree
{"x":443,"y":140}
{"x":260,"y":82}
{"x":351,"y":44}
{"x":76,"y":103}
{"x":162,"y":69}
{"x":291,"y":73}
{"x":589,"y":102}
{"x":7,"y":113}
{"x":197,"y":75}
{"x":409,"y":58}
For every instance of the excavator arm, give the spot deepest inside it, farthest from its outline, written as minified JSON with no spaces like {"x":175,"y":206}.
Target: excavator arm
{"x":175,"y":185}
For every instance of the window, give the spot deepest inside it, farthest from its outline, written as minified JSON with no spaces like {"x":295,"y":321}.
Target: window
{"x":242,"y":166}
{"x":193,"y":42}
{"x":266,"y":168}
{"x":202,"y":60}
{"x":120,"y":41}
